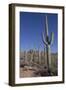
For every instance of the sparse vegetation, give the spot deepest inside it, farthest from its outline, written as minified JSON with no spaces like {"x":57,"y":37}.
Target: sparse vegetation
{"x":34,"y":67}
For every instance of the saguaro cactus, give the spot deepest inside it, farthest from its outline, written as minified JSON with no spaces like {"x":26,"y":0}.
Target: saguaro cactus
{"x":47,"y":40}
{"x":25,"y":55}
{"x":32,"y":55}
{"x":39,"y":56}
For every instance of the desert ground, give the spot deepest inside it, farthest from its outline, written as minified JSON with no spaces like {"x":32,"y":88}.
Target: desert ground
{"x":34,"y":64}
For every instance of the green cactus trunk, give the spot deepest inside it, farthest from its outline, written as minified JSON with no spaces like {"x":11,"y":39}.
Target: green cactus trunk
{"x":48,"y":57}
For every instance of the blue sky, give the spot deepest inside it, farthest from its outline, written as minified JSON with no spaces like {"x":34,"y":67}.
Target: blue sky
{"x":32,"y":25}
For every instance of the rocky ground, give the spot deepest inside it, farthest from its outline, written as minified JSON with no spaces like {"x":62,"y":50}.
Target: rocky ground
{"x":33,"y":71}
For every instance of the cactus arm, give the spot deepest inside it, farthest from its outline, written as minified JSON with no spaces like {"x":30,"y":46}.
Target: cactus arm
{"x":44,"y":40}
{"x":52,"y":38}
{"x":46,"y":26}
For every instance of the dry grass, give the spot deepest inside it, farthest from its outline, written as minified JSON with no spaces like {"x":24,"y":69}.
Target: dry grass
{"x":36,"y":69}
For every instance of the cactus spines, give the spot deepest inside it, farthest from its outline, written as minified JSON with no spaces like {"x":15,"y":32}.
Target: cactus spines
{"x":47,"y":40}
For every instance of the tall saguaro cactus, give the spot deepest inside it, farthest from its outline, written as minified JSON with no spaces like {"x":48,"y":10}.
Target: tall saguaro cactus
{"x":47,"y":40}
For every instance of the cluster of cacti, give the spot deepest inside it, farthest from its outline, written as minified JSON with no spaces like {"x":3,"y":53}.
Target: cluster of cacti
{"x":47,"y":41}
